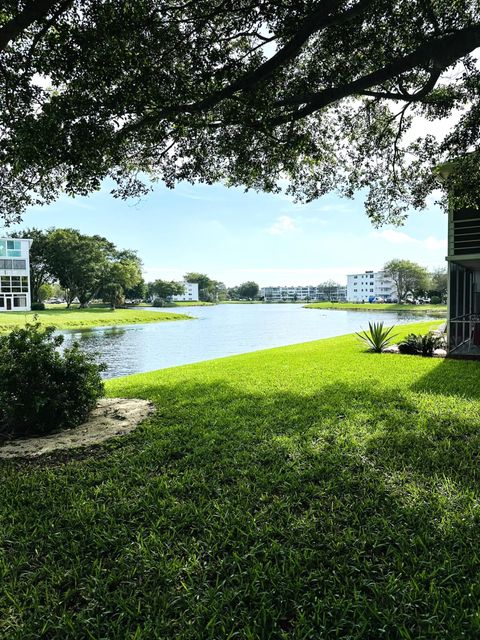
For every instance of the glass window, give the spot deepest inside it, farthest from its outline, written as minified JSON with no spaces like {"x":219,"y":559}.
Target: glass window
{"x":5,"y":283}
{"x":14,"y":248}
{"x":19,"y":301}
{"x":3,"y":250}
{"x":17,"y":264}
{"x":5,"y":264}
{"x":2,"y":302}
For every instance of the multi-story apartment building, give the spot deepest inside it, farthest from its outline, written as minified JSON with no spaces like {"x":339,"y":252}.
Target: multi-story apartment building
{"x":335,"y":293}
{"x":370,"y":286}
{"x":15,"y":274}
{"x":190,"y":293}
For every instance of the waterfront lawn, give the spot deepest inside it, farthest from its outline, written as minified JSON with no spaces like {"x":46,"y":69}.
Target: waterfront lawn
{"x":312,"y":491}
{"x":379,"y":306}
{"x":84,"y":318}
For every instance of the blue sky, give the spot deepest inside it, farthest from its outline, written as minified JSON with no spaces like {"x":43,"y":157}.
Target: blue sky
{"x":235,"y":236}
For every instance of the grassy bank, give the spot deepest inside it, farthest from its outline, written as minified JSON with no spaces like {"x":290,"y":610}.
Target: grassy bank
{"x":376,"y":306}
{"x":312,"y":491}
{"x":84,"y":318}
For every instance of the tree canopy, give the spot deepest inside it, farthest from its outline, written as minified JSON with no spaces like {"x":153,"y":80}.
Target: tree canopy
{"x":165,"y":289}
{"x":84,"y":266}
{"x":320,"y":93}
{"x":248,"y":290}
{"x":208,"y":290}
{"x":408,"y":276}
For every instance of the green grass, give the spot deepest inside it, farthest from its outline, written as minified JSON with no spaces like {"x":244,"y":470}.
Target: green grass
{"x":83,"y":318}
{"x":309,"y":492}
{"x":377,"y":306}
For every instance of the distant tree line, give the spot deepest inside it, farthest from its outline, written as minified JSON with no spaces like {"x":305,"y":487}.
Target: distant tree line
{"x":412,"y":279}
{"x":209,"y":290}
{"x":75,"y":266}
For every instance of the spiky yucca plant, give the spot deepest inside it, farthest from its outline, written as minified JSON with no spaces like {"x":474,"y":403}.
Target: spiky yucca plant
{"x":377,"y":337}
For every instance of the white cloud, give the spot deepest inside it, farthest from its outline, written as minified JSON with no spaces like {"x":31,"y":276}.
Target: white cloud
{"x":434,"y":243}
{"x":392,"y":236}
{"x":395,"y":237}
{"x":282,"y":225}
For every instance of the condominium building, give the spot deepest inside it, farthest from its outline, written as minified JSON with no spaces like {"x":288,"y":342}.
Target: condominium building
{"x":370,"y":286}
{"x":15,"y":274}
{"x":335,"y":293}
{"x":190,"y":293}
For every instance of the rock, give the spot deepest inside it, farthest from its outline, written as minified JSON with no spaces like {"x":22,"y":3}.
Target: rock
{"x":393,"y":348}
{"x":440,"y":353}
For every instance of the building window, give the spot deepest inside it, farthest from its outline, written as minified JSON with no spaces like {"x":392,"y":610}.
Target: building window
{"x":19,"y":264}
{"x":19,"y":301}
{"x":14,"y":284}
{"x":14,"y":248}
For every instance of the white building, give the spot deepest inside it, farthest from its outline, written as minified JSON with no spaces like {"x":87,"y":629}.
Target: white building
{"x":190,"y":293}
{"x":371,"y":286}
{"x":15,"y":274}
{"x":292,"y":294}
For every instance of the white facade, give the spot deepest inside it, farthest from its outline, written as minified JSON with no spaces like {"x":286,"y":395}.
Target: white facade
{"x":15,"y":274}
{"x":292,"y":294}
{"x":370,"y":286}
{"x":190,"y":293}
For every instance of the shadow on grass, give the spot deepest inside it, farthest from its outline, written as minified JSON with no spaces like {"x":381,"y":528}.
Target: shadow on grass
{"x":452,"y":378}
{"x":344,"y":513}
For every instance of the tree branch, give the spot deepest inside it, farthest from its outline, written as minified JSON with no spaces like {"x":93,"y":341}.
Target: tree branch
{"x":444,"y":51}
{"x":318,"y":20}
{"x":404,"y":95}
{"x":31,"y":12}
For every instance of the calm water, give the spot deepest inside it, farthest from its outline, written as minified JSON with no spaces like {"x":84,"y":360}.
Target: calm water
{"x":218,"y":331}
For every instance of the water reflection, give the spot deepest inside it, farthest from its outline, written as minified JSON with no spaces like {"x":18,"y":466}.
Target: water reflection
{"x":220,"y":331}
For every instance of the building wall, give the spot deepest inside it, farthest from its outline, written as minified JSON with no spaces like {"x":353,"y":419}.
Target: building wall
{"x":15,"y":274}
{"x":363,"y":287}
{"x":292,"y":294}
{"x":190,"y":294}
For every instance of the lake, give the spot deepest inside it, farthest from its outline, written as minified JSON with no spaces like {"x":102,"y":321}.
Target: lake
{"x":218,"y":331}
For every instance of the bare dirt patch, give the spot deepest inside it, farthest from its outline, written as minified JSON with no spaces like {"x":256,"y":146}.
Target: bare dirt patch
{"x":112,"y":417}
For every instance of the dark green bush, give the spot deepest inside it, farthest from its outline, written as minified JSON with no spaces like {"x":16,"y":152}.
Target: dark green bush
{"x":435,"y":300}
{"x":159,"y":302}
{"x":37,"y":306}
{"x":42,"y":389}
{"x":421,"y":345}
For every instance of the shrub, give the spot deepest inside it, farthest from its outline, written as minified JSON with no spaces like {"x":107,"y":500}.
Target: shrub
{"x":378,"y":337}
{"x":435,"y":300}
{"x":421,"y":345}
{"x":42,"y":389}
{"x":37,"y":306}
{"x":159,"y":302}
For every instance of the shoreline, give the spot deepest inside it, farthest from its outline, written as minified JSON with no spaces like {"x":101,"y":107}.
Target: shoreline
{"x":89,"y":318}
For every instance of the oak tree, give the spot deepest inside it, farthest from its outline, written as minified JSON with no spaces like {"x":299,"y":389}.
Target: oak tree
{"x":318,"y":93}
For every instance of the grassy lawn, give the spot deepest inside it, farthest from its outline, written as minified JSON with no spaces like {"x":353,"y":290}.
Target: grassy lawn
{"x":309,"y":492}
{"x":83,"y":318}
{"x":377,"y":306}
